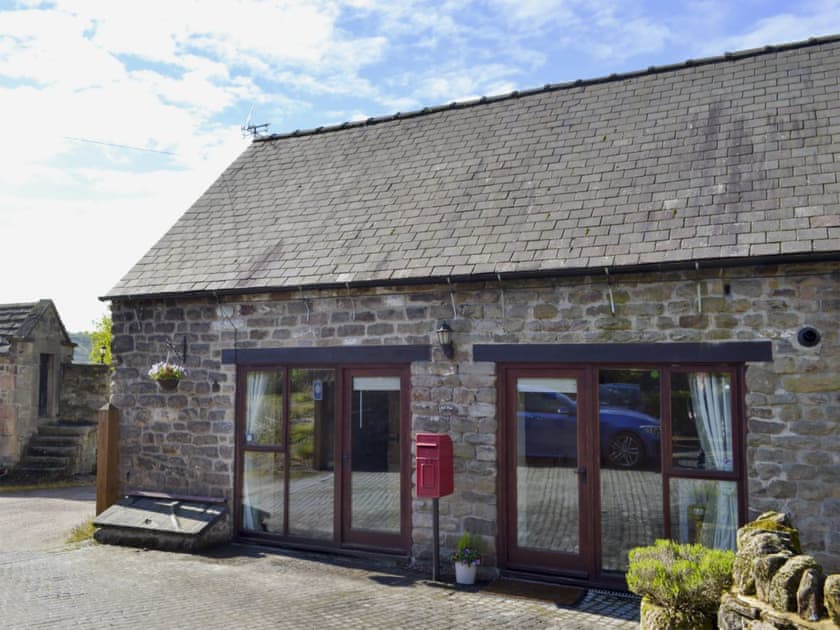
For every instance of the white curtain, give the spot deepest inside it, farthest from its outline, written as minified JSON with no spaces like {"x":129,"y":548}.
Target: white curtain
{"x":711,"y":402}
{"x":257,"y":386}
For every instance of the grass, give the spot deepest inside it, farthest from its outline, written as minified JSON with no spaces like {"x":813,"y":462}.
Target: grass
{"x":82,"y":532}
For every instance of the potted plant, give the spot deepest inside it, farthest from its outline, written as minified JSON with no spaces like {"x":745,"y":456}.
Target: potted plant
{"x":167,"y":375}
{"x":467,"y":557}
{"x":680,"y":584}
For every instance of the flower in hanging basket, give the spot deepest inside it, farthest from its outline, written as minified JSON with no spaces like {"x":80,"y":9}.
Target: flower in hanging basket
{"x":166,"y":371}
{"x":468,"y":550}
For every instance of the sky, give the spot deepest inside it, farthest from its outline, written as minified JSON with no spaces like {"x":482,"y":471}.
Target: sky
{"x":116,"y":116}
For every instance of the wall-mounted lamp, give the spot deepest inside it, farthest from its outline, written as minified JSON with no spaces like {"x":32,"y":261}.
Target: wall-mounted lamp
{"x":215,"y":386}
{"x":102,"y":353}
{"x":444,"y":335}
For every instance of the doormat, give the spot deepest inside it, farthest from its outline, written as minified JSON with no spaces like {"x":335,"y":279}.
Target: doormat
{"x":556,"y":593}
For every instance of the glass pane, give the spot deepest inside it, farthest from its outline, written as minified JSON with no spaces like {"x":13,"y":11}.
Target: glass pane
{"x":701,"y":421}
{"x":262,"y":492}
{"x":311,"y":440}
{"x":547,"y":455}
{"x":704,"y":511}
{"x":631,"y":465}
{"x":375,"y":448}
{"x":264,"y":408}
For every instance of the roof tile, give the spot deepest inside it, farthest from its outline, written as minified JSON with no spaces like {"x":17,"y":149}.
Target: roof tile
{"x":727,"y":158}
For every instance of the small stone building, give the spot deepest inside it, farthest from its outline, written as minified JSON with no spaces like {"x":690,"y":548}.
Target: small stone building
{"x":641,"y":276}
{"x":34,"y":349}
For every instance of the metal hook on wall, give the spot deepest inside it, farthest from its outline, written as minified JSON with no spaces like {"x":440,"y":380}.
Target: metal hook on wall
{"x":610,"y":291}
{"x":305,"y":303}
{"x":699,"y":294}
{"x":352,"y":302}
{"x":181,"y":357}
{"x":501,"y":295}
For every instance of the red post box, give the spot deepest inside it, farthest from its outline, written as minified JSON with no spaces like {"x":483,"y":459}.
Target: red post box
{"x":435,"y":477}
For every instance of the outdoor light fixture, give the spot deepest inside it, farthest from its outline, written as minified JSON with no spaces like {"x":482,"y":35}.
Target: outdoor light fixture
{"x":102,"y":352}
{"x":444,"y":335}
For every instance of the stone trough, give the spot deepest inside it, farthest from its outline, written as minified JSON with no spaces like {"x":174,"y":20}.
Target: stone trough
{"x":163,"y":521}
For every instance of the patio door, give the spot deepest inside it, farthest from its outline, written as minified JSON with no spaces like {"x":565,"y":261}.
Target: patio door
{"x":375,"y":459}
{"x":548,"y":471}
{"x":323,"y":456}
{"x":582,"y":468}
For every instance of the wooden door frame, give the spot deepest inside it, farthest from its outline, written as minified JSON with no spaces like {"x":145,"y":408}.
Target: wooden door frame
{"x":579,"y":566}
{"x":343,"y":379}
{"x":370,"y":539}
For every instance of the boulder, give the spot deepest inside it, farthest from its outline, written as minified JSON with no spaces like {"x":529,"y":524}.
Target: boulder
{"x":809,"y":597}
{"x":756,"y":544}
{"x":785,"y":583}
{"x":831,"y":596}
{"x":771,"y":522}
{"x":764,"y":569}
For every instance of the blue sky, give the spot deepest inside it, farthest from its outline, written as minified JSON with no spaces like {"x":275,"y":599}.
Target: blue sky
{"x":118,"y":115}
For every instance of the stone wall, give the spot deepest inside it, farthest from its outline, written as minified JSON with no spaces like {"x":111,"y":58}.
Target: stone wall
{"x":776,"y":585}
{"x":184,"y":442}
{"x":19,"y":380}
{"x":84,"y":390}
{"x":9,"y":447}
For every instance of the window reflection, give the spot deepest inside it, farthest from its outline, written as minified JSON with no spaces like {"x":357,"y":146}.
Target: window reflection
{"x":701,"y":420}
{"x":704,"y":511}
{"x":264,"y":408}
{"x":631,"y":479}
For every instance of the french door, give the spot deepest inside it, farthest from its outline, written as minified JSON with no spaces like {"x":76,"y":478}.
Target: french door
{"x":322,"y":456}
{"x":598,"y":459}
{"x":375,"y":494}
{"x":548,"y":469}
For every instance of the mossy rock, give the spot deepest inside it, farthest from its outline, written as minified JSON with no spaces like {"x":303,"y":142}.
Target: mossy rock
{"x":655,"y":617}
{"x":831,"y":597}
{"x":762,"y":543}
{"x":764,"y":570}
{"x":785,"y":583}
{"x":774,"y":522}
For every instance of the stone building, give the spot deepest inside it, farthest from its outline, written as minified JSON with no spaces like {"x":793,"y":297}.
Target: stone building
{"x":34,"y":347}
{"x":641,"y":275}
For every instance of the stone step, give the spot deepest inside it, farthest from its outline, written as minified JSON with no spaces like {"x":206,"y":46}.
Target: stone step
{"x":64,"y":429}
{"x":44,"y":461}
{"x":53,"y":450}
{"x":41,"y":472}
{"x":54,"y":440}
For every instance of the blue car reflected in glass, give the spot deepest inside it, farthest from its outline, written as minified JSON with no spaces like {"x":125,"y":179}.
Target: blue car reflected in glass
{"x":629,"y":438}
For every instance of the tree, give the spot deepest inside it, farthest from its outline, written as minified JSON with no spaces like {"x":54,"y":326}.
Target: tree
{"x":101,"y":338}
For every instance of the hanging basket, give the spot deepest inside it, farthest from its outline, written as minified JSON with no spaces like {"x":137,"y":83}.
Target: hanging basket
{"x":168,"y":384}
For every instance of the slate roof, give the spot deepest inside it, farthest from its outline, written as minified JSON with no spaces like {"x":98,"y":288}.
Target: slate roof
{"x":735,"y":158}
{"x":17,"y":321}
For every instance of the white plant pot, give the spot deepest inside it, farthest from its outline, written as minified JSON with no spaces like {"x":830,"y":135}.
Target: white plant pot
{"x":465,"y":573}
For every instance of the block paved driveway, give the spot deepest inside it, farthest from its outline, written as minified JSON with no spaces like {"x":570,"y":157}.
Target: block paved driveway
{"x":46,"y":584}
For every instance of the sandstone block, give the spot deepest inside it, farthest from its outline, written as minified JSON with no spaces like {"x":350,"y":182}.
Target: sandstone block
{"x":764,"y":569}
{"x":831,"y":597}
{"x":785,"y":583}
{"x":809,"y":597}
{"x":760,"y":543}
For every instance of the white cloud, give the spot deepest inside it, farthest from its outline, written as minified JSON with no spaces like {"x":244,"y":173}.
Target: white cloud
{"x":808,"y":20}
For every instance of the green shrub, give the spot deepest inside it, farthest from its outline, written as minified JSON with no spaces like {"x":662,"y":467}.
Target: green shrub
{"x":681,"y":577}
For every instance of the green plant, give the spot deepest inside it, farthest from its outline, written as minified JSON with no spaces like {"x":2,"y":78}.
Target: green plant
{"x":469,"y":549}
{"x":81,"y":532}
{"x":165,"y":371}
{"x":685,"y":579}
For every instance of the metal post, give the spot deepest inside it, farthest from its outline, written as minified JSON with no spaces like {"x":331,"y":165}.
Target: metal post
{"x":436,"y":541}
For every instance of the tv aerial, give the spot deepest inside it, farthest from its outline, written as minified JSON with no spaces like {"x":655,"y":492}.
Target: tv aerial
{"x":255,"y":131}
